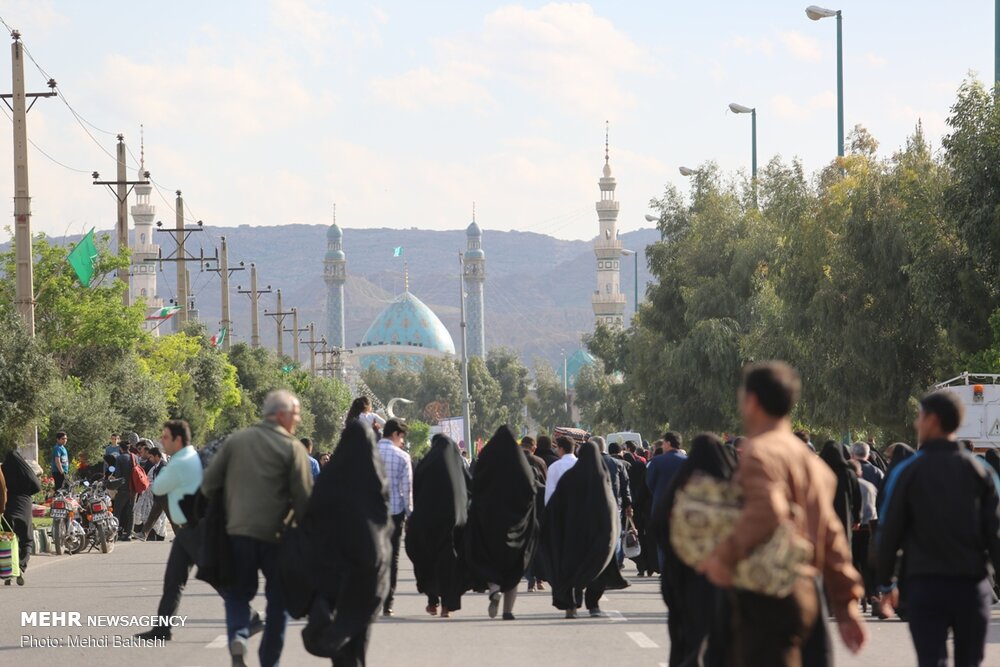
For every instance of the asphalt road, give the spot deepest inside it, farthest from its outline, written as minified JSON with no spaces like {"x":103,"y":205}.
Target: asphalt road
{"x":128,"y":582}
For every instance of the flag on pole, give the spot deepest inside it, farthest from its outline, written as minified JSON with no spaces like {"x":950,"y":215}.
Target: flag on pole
{"x":164,"y":313}
{"x":397,"y":251}
{"x":219,"y":337}
{"x":82,"y":257}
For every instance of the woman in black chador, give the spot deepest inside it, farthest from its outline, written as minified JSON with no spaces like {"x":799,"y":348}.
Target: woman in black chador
{"x":344,"y":543}
{"x":847,"y":501}
{"x":579,"y":533}
{"x":22,"y":483}
{"x":434,"y":533}
{"x":502,"y":529}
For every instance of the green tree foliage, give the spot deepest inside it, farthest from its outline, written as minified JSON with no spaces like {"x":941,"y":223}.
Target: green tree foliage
{"x":485,"y":392}
{"x":547,"y":406}
{"x":512,"y":375}
{"x":419,"y":437}
{"x":24,"y":374}
{"x":440,"y":382}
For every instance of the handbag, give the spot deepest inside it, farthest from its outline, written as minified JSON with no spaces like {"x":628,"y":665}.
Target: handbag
{"x":630,"y":545}
{"x":10,"y":562}
{"x":705,"y":511}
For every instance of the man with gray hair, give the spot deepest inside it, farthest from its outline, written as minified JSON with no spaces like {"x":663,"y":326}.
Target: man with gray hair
{"x":264,"y":475}
{"x":860,"y":451}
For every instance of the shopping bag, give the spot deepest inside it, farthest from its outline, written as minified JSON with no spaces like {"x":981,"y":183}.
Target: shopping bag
{"x":10,"y":562}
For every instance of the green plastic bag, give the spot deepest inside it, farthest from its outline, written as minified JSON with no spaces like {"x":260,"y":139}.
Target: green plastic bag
{"x":10,"y":562}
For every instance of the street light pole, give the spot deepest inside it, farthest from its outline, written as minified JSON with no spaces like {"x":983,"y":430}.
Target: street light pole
{"x":817,"y":13}
{"x":466,"y":408}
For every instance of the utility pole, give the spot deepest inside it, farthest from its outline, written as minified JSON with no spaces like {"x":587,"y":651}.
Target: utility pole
{"x":24,"y":291}
{"x":295,"y":331}
{"x":312,"y":343}
{"x":24,"y":294}
{"x":466,"y":410}
{"x":279,"y":319}
{"x":254,"y":308}
{"x":180,"y":257}
{"x":225,"y":273}
{"x":121,"y":189}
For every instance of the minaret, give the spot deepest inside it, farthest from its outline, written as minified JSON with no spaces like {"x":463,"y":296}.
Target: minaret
{"x":142,"y":274}
{"x":608,"y":300}
{"x":335,"y":275}
{"x":475,"y":277}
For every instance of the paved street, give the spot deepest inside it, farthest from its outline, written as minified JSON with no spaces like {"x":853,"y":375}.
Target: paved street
{"x":127,"y":582}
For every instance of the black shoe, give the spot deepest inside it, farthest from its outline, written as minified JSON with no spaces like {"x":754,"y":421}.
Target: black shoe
{"x":256,"y":623}
{"x":156,"y":633}
{"x":125,"y":538}
{"x":507,"y":616}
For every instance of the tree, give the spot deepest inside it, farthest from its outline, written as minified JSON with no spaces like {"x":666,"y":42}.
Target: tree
{"x":441,"y":383}
{"x":485,"y":394}
{"x":329,"y":400}
{"x":548,"y":406}
{"x":24,"y":374}
{"x":512,"y":376}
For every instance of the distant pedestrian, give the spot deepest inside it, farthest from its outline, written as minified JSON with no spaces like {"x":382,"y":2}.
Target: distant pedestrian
{"x":345,"y":536}
{"x":399,"y":476}
{"x":324,"y":458}
{"x":125,"y":495}
{"x":545,"y":450}
{"x":434,"y":532}
{"x":361,"y":409}
{"x":22,"y":484}
{"x":144,"y":503}
{"x":313,"y":463}
{"x":567,"y":459}
{"x":661,"y":470}
{"x":60,"y":460}
{"x":862,"y":547}
{"x":861,"y":452}
{"x":262,"y":472}
{"x":776,"y":475}
{"x":942,"y":510}
{"x":642,"y":505}
{"x":502,"y":529}
{"x":529,"y":447}
{"x":847,"y":497}
{"x":806,"y":439}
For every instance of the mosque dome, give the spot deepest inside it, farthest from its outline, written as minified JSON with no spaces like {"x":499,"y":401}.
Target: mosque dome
{"x":334,"y":232}
{"x":405,"y":323}
{"x":576,"y":363}
{"x":473,"y":230}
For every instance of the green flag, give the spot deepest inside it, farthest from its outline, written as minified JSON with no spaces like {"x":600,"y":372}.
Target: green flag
{"x":397,"y":251}
{"x":82,"y":257}
{"x":219,"y":337}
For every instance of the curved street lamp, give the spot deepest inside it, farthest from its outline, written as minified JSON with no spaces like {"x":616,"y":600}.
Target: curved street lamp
{"x":739,"y":108}
{"x":687,"y":171}
{"x":818,"y":13}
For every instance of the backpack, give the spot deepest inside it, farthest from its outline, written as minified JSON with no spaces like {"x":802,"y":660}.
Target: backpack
{"x":138,"y":481}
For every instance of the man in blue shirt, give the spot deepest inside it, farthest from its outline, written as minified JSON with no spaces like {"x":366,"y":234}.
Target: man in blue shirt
{"x":60,"y":460}
{"x":313,"y":463}
{"x":661,"y":469}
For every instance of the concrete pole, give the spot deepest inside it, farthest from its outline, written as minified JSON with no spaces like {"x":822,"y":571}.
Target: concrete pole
{"x":295,"y":334}
{"x":227,"y":323}
{"x":24,"y":297}
{"x":281,"y":348}
{"x":254,"y":309}
{"x":312,"y":349}
{"x":122,"y":227}
{"x":466,"y":408}
{"x":182,"y":290}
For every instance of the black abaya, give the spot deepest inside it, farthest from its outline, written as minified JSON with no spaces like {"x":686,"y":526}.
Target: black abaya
{"x":579,"y":529}
{"x":345,"y":545}
{"x":502,"y":528}
{"x":698,"y":610}
{"x":22,"y":484}
{"x":441,"y":484}
{"x":847,"y":500}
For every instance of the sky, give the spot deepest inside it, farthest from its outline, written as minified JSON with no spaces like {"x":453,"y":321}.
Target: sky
{"x":403,"y":114}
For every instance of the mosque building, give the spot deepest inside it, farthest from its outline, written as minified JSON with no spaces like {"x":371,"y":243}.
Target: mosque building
{"x":142,"y":273}
{"x":608,"y":300}
{"x":407,"y":331}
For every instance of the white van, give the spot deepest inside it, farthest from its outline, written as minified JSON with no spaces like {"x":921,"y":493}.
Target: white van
{"x":623,"y":437}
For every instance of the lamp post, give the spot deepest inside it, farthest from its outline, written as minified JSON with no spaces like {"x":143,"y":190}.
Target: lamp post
{"x":687,"y":171}
{"x":635,"y":254}
{"x":739,"y":108}
{"x":817,"y":13}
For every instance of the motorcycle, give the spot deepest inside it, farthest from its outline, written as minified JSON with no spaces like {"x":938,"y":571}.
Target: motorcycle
{"x":99,"y":524}
{"x":67,"y":532}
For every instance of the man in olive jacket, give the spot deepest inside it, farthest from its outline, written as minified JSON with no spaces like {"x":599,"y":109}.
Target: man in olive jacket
{"x":265,"y":477}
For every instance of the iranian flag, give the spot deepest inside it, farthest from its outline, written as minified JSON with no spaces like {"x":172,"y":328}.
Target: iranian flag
{"x":219,"y":337}
{"x":164,"y":313}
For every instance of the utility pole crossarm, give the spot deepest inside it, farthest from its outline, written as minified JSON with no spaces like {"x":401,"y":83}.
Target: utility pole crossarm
{"x":254,"y":295}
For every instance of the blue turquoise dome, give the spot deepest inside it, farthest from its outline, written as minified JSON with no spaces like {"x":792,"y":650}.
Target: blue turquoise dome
{"x":334,"y":232}
{"x":473,"y":230}
{"x":335,"y":254}
{"x":577,"y":361}
{"x":406,"y":322}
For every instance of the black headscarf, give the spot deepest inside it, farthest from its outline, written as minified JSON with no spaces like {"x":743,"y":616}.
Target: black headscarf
{"x":544,"y":450}
{"x":697,"y":609}
{"x":345,"y":540}
{"x":847,"y":501}
{"x":21,"y":479}
{"x":900,"y":452}
{"x":440,"y":508}
{"x":993,"y":458}
{"x":502,"y":528}
{"x":579,"y":528}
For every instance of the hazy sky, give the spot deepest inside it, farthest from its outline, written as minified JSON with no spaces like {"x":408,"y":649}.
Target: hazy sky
{"x":404,"y":113}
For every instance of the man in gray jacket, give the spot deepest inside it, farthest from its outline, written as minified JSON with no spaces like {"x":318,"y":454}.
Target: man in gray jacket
{"x":265,"y":476}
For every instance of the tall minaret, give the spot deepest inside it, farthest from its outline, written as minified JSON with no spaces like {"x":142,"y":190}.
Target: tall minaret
{"x":475,"y":277}
{"x":335,"y":275}
{"x":142,"y":274}
{"x":608,"y":300}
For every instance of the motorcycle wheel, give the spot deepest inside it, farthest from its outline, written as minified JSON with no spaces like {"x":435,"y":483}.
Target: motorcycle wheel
{"x":57,"y":537}
{"x":102,"y":538}
{"x":76,"y":543}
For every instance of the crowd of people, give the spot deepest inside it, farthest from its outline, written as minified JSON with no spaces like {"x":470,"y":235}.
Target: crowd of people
{"x":913,"y":532}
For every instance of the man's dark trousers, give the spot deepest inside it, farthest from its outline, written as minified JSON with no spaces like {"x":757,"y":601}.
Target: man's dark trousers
{"x":183,"y":555}
{"x":58,"y":479}
{"x":397,"y":533}
{"x":936,"y":604}
{"x":251,"y":555}
{"x":125,"y":510}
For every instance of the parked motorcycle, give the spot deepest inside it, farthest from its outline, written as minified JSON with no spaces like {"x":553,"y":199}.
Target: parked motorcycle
{"x":67,"y":533}
{"x":99,"y":524}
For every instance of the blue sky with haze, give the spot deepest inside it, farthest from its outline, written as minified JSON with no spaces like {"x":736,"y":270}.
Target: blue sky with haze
{"x":404,"y":113}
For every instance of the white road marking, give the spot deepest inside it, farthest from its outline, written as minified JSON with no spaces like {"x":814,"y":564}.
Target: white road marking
{"x":219,"y":642}
{"x":616,"y":616}
{"x":642,"y":640}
